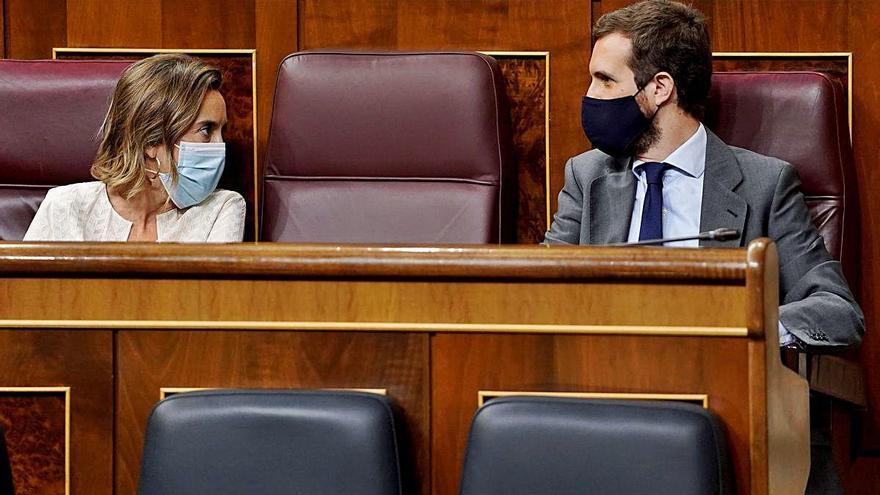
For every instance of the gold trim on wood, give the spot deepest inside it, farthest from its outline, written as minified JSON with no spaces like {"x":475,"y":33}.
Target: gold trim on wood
{"x":166,"y":391}
{"x":199,"y":51}
{"x":686,"y":331}
{"x":546,"y":56}
{"x":485,"y":395}
{"x":53,"y":390}
{"x":849,"y":69}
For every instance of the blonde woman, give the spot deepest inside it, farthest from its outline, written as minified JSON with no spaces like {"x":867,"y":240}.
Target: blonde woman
{"x":158,"y":164}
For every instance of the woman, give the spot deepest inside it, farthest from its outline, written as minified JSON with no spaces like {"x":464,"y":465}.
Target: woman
{"x":158,"y":164}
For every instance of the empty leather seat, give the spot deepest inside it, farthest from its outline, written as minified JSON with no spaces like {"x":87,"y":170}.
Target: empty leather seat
{"x":52,"y":111}
{"x":389,"y":148}
{"x":537,"y":446}
{"x":226,"y":442}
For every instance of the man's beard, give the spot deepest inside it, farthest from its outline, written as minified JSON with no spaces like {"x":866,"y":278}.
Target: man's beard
{"x":647,"y":139}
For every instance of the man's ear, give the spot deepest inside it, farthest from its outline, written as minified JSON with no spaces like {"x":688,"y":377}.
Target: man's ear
{"x":664,"y":88}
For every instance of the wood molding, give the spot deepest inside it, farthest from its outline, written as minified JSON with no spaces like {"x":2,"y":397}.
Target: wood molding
{"x":317,"y":261}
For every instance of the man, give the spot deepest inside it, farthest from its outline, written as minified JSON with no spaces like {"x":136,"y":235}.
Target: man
{"x":658,"y":172}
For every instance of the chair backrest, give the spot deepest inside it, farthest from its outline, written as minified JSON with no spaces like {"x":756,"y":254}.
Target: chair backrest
{"x":51,"y":113}
{"x":800,"y":117}
{"x":6,"y":486}
{"x":537,"y":446}
{"x":271,"y":442}
{"x":389,"y":148}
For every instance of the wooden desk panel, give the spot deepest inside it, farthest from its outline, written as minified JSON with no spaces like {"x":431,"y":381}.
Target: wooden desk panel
{"x":148,"y":361}
{"x":463,"y":365}
{"x":431,"y":325}
{"x":42,"y":361}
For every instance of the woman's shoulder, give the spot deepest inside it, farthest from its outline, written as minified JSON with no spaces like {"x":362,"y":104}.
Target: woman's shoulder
{"x":221,"y":198}
{"x":75,"y":192}
{"x":74,"y":195}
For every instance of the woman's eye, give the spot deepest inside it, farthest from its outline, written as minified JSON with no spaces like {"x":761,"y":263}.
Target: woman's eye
{"x":205,"y":131}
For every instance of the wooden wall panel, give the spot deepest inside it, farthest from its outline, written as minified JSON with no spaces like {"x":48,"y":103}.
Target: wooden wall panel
{"x":277,"y":31}
{"x":2,"y":28}
{"x":149,"y":361}
{"x":83,"y":361}
{"x":34,"y":27}
{"x":863,"y":17}
{"x":110,"y":23}
{"x":207,"y":24}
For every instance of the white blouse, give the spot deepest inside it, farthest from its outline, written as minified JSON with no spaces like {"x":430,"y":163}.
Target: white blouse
{"x":82,"y":212}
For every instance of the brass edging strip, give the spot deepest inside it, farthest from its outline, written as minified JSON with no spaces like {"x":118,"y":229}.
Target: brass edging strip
{"x":199,"y":51}
{"x":546,"y":56}
{"x":484,"y":395}
{"x":688,"y":331}
{"x":166,"y":391}
{"x":849,"y":69}
{"x":66,"y":391}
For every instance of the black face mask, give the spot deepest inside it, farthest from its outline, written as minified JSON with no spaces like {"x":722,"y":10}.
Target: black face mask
{"x":613,"y":126}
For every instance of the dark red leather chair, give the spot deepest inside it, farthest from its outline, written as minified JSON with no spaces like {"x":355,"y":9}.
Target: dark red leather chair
{"x":799,"y":117}
{"x":389,"y":148}
{"x":802,"y":118}
{"x":51,"y":113}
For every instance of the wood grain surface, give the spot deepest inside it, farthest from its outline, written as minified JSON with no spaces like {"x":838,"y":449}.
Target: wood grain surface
{"x":316,"y":260}
{"x":33,"y":27}
{"x":83,"y":361}
{"x":149,"y":361}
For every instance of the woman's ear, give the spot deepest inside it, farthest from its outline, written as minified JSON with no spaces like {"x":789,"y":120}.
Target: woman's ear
{"x":151,"y":152}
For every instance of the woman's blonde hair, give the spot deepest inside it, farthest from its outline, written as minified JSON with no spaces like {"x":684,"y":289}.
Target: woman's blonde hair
{"x":155,"y":102}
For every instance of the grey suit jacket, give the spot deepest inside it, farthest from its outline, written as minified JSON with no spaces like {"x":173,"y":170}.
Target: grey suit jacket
{"x":757,"y":195}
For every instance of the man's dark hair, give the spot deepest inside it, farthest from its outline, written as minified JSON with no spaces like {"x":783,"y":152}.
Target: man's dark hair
{"x":668,"y":37}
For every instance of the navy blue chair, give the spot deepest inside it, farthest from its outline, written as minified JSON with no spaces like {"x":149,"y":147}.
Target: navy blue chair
{"x":537,"y":446}
{"x":271,"y":442}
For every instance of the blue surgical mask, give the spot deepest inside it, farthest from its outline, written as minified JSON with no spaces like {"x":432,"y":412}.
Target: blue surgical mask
{"x":199,"y":167}
{"x":613,"y":126}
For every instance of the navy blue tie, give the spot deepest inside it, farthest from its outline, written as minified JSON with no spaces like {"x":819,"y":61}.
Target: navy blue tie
{"x":652,"y":211}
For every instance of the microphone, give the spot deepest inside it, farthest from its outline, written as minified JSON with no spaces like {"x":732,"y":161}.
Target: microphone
{"x":722,"y":234}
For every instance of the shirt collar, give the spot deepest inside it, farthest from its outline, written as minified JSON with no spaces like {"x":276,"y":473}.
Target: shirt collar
{"x":689,"y":158}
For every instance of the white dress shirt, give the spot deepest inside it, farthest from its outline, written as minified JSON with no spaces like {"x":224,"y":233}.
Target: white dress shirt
{"x":682,"y":199}
{"x":682,"y":191}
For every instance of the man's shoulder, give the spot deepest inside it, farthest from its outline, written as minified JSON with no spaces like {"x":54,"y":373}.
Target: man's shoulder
{"x":756,"y":165}
{"x":592,"y":164}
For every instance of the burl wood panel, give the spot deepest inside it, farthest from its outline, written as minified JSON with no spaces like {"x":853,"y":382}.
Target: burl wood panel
{"x":83,"y":361}
{"x":462,"y":365}
{"x":149,"y":361}
{"x":34,"y":424}
{"x":238,"y":91}
{"x":525,"y":81}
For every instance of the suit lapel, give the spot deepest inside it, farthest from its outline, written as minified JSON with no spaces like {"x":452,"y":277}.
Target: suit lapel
{"x":611,"y":204}
{"x":722,"y":207}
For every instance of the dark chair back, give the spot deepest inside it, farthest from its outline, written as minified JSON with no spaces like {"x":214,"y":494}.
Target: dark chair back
{"x":802,"y":118}
{"x":553,"y":446}
{"x":51,"y":113}
{"x":228,"y":442}
{"x":389,"y":148}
